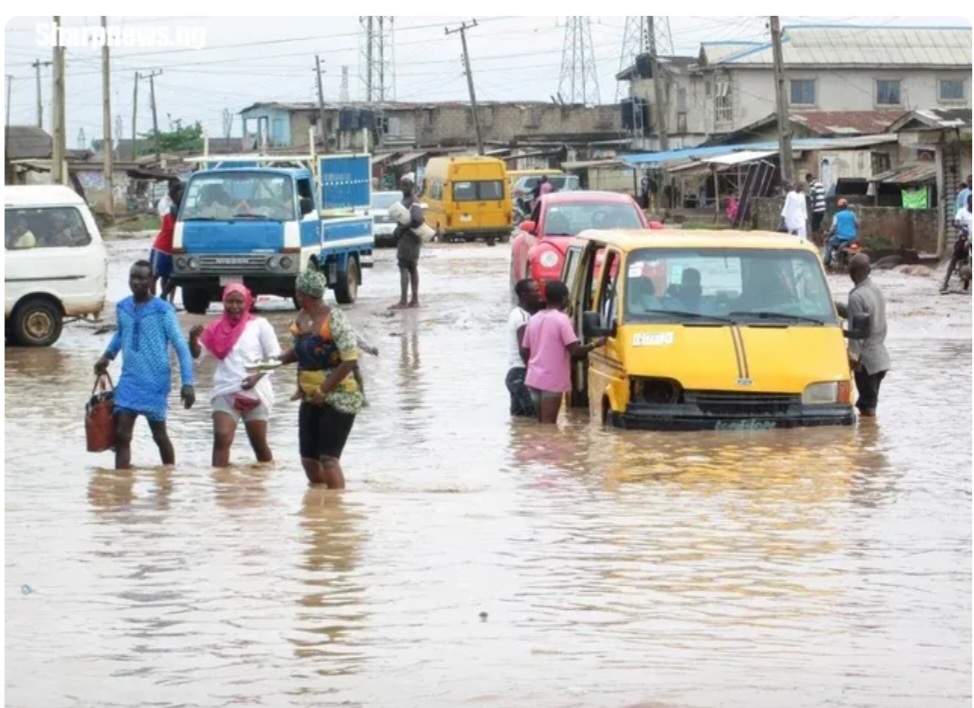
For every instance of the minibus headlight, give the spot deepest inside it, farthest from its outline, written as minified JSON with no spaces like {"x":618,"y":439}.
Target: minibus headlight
{"x":548,"y":259}
{"x":821,"y":393}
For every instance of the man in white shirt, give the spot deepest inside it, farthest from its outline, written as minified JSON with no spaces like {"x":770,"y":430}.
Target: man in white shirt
{"x":795,"y":212}
{"x":529,"y":302}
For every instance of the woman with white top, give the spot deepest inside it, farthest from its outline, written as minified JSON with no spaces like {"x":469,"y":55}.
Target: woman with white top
{"x":237,"y":339}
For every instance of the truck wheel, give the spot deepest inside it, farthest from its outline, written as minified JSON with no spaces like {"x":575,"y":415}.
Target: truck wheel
{"x":346,"y":289}
{"x":196,"y":300}
{"x":37,"y":323}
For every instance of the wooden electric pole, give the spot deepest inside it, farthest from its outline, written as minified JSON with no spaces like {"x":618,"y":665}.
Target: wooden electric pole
{"x":59,"y":148}
{"x":40,"y":102}
{"x":106,"y":117}
{"x":155,"y":116}
{"x":462,"y":29}
{"x":659,"y":86}
{"x":781,"y":99}
{"x":135,"y":116}
{"x":321,"y":106}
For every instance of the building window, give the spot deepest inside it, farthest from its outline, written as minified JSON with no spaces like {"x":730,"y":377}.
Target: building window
{"x":803,"y":92}
{"x":887,"y":92}
{"x":723,"y":108}
{"x":950,"y":90}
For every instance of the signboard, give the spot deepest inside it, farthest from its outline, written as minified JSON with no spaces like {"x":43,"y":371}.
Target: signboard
{"x":346,"y":181}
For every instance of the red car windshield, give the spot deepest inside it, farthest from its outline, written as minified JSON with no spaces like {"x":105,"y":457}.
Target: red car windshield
{"x":570,"y":219}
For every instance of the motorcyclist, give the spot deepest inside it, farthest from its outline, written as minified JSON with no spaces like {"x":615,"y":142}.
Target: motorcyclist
{"x":962,"y":246}
{"x":845,"y":229}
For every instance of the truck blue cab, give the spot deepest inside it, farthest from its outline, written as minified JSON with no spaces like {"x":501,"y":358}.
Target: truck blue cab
{"x":260,"y":220}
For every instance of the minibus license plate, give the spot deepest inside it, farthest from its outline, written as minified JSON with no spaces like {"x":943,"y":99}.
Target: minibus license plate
{"x":230,"y":280}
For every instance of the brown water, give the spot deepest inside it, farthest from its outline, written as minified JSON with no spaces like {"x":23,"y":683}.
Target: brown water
{"x":827,"y":567}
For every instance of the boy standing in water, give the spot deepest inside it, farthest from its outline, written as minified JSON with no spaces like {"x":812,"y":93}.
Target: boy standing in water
{"x":147,"y":327}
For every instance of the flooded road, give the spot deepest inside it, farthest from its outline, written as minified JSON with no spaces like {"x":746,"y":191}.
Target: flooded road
{"x":823,"y":567}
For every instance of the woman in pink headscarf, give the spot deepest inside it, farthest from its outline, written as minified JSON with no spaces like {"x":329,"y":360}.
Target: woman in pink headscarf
{"x":236,"y":339}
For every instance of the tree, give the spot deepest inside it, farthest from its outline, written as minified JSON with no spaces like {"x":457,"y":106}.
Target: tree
{"x":179,"y":139}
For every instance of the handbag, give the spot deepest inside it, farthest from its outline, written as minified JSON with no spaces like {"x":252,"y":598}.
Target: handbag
{"x":99,"y":417}
{"x":244,"y":404}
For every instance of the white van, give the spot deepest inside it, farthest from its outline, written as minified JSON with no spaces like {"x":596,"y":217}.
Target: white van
{"x":55,"y":263}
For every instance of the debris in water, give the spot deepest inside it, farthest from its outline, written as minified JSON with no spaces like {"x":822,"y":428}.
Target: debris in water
{"x":483,"y":616}
{"x":27,"y":590}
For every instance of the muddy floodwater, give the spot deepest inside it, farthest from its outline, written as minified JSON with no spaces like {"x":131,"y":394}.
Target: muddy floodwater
{"x":475,"y":561}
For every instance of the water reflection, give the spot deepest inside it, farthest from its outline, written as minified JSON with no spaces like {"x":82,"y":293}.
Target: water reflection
{"x":331,"y":612}
{"x":241,"y":488}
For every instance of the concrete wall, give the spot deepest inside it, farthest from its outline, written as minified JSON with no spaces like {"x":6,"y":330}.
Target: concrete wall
{"x":752,"y":93}
{"x":97,"y":194}
{"x":904,"y":228}
{"x":452,"y":124}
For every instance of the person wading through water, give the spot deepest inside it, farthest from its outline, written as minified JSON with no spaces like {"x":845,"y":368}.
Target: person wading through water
{"x":548,"y":346}
{"x":161,"y":254}
{"x":147,"y":327}
{"x":408,"y":247}
{"x":867,"y":350}
{"x":327,"y":356}
{"x":236,"y":339}
{"x":529,"y":302}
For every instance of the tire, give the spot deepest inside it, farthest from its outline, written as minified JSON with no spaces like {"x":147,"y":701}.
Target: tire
{"x":346,"y":289}
{"x":37,"y":322}
{"x":196,"y":301}
{"x":504,"y":239}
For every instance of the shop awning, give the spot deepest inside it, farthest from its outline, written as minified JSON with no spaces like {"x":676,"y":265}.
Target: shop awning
{"x":908,"y":173}
{"x":739,"y":158}
{"x":409,"y":157}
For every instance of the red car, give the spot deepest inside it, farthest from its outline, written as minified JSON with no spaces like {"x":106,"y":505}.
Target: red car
{"x":538,"y":251}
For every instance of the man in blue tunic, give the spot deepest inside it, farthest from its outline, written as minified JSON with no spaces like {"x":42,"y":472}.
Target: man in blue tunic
{"x":147,"y":326}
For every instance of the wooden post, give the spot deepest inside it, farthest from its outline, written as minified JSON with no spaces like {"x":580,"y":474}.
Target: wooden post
{"x":781,"y":100}
{"x":108,"y":161}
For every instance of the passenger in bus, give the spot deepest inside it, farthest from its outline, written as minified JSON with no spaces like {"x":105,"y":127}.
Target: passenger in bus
{"x":20,"y":237}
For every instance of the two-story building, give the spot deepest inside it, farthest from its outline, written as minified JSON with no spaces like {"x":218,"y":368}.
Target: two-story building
{"x":828,"y":69}
{"x":416,"y":125}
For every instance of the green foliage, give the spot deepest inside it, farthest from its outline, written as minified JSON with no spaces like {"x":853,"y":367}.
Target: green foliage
{"x":179,"y":139}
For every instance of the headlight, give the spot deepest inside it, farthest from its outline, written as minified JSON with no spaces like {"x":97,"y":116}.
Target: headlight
{"x":286,"y":262}
{"x":272,"y":263}
{"x":181,"y":263}
{"x":826,"y":393}
{"x":548,"y":259}
{"x":193,"y":263}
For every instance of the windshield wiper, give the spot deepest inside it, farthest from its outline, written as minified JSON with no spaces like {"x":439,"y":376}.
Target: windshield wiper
{"x":261,"y":217}
{"x":199,"y":218}
{"x":767,"y":315}
{"x":686,"y":313}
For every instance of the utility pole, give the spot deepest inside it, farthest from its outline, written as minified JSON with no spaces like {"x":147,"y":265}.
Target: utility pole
{"x":10,"y":81}
{"x":135,"y":115}
{"x":659,"y":84}
{"x":155,"y":119}
{"x":40,"y":103}
{"x":59,"y":148}
{"x":462,"y":29}
{"x":321,"y":105}
{"x":106,"y":117}
{"x":784,"y":125}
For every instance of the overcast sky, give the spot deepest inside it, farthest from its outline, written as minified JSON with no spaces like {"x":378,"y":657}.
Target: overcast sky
{"x":246,"y":60}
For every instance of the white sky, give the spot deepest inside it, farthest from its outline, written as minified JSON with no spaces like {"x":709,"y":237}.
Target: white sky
{"x":272,"y":58}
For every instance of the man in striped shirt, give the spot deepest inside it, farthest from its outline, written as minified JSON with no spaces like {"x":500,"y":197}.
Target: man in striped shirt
{"x":816,"y":198}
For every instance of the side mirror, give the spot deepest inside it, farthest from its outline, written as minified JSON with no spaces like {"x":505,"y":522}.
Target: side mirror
{"x":593,"y":327}
{"x":529,"y":227}
{"x":841,"y":308}
{"x":307,"y":205}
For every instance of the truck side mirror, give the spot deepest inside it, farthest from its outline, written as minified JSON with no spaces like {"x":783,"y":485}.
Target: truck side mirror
{"x":592,"y":326}
{"x":307,"y":205}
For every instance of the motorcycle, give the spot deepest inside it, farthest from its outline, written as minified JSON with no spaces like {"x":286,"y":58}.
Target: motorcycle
{"x":962,"y":268}
{"x":842,"y":254}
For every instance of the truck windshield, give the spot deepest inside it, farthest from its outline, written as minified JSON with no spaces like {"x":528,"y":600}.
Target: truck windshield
{"x":239,"y":196}
{"x":756,"y":286}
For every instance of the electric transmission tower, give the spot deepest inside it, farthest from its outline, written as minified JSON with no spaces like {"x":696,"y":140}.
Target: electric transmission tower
{"x":635,"y":41}
{"x":377,"y":65}
{"x":227,"y":123}
{"x":579,"y":82}
{"x":343,"y":96}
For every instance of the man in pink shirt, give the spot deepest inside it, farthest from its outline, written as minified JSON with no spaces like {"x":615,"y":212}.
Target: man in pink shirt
{"x":549,"y":344}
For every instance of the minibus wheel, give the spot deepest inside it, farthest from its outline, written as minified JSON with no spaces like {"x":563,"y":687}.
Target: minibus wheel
{"x":37,"y":322}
